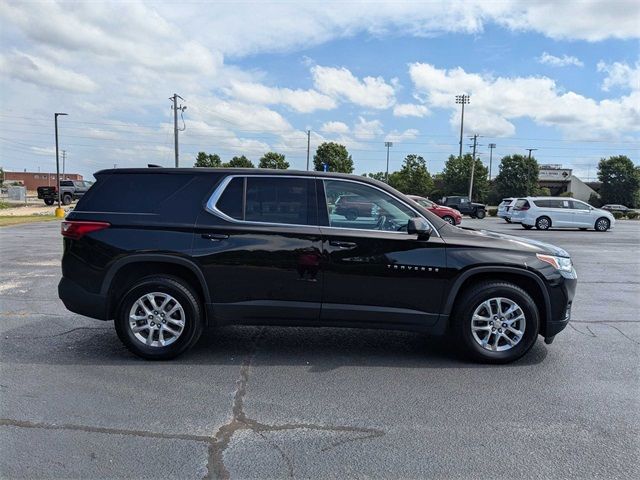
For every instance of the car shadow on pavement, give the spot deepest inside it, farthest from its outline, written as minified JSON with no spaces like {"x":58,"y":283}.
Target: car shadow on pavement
{"x":319,"y":349}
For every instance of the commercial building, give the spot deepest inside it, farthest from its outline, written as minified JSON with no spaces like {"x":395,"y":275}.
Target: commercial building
{"x":33,"y":180}
{"x":560,"y":180}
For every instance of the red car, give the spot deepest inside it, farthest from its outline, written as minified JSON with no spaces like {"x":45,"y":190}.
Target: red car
{"x":449,"y":215}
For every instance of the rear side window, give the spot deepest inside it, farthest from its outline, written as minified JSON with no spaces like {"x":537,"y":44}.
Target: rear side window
{"x":231,"y":200}
{"x":132,"y":192}
{"x":283,"y":200}
{"x":521,"y":204}
{"x":278,"y":200}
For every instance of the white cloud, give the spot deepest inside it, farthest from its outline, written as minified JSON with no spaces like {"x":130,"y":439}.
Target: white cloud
{"x":496,"y":101}
{"x":39,"y":71}
{"x":563,"y":61}
{"x":304,"y":101}
{"x":410,"y":110}
{"x":396,"y":136}
{"x":334,"y":127}
{"x":366,"y":129}
{"x":620,"y":75}
{"x":340,"y":83}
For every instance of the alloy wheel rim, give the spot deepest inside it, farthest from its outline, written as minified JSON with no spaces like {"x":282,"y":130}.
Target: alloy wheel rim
{"x":157,"y":319}
{"x":498,"y":324}
{"x":544,"y":223}
{"x":449,"y":220}
{"x":602,"y":224}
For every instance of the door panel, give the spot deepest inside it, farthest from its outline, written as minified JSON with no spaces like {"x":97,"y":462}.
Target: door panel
{"x":382,"y":277}
{"x":260,"y":272}
{"x":374,"y":272}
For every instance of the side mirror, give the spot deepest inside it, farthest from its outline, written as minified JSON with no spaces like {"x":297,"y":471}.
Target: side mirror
{"x":418,"y":226}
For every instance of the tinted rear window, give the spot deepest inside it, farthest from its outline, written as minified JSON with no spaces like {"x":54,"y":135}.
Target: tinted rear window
{"x":521,"y":203}
{"x":132,"y":192}
{"x":278,"y":200}
{"x":66,"y":183}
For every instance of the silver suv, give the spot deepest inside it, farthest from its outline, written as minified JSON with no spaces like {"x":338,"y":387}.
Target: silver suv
{"x":560,"y":212}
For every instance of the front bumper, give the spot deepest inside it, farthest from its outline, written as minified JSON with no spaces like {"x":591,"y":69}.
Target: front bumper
{"x":561,"y":295}
{"x":78,"y":300}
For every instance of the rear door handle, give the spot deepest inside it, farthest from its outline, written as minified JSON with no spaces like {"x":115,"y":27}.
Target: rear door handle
{"x":215,"y":236}
{"x":339,"y":244}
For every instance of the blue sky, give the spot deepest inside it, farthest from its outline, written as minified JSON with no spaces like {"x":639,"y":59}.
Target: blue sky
{"x":562,"y":77}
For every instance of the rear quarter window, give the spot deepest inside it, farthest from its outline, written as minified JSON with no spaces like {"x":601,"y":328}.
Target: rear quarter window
{"x":132,"y":192}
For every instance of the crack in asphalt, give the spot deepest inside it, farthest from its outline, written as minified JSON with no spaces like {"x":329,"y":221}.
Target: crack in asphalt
{"x":66,"y":332}
{"x":218,"y":443}
{"x":240,"y":421}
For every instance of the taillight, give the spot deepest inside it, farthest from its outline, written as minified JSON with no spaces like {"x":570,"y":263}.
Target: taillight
{"x":78,"y":229}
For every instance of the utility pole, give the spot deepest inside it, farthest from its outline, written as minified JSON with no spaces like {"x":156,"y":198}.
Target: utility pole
{"x":529,"y":165}
{"x":462,"y":99}
{"x":59,"y":211}
{"x":175,"y":108}
{"x":308,"y":147}
{"x":64,"y":157}
{"x":388,"y":145}
{"x":473,"y":164}
{"x":491,"y":147}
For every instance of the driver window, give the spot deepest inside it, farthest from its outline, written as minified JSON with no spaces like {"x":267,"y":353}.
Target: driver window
{"x":354,"y":205}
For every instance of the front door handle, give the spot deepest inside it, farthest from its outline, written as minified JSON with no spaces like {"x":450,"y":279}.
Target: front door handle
{"x":339,"y":244}
{"x":215,"y":236}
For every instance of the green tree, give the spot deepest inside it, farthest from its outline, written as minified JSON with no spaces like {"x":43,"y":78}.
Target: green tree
{"x":239,"y":162}
{"x":413,"y":178}
{"x":204,"y":159}
{"x":518,"y":176}
{"x":273,"y":160}
{"x":620,"y":181}
{"x":457,"y":173}
{"x":335,"y":156}
{"x":376,"y":176}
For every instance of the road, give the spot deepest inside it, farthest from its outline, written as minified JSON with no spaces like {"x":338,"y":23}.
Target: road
{"x":319,"y":403}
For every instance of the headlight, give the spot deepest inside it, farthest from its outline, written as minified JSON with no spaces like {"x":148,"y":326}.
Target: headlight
{"x":559,"y":263}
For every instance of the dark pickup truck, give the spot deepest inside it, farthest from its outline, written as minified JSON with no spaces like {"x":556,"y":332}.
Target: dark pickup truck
{"x":69,"y":190}
{"x":465,"y":206}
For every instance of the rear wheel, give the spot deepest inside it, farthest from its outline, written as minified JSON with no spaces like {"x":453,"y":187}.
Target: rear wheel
{"x":508,"y":220}
{"x":543,"y":223}
{"x":602,"y":224}
{"x":66,"y":199}
{"x":48,"y":201}
{"x":481,"y":214}
{"x":159,"y":318}
{"x":496,"y":322}
{"x":449,"y":219}
{"x":527,"y":227}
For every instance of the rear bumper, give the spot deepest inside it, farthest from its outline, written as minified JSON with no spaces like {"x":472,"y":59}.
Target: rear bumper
{"x":78,"y":300}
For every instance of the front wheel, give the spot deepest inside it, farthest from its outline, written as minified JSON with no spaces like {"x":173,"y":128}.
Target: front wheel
{"x":527,"y":227}
{"x":159,"y":318}
{"x":449,"y":219}
{"x":48,"y":201}
{"x":481,"y":214}
{"x":496,"y":322}
{"x":602,"y":224}
{"x":66,"y":200}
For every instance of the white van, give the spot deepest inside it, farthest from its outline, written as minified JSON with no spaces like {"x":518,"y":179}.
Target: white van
{"x":560,"y":212}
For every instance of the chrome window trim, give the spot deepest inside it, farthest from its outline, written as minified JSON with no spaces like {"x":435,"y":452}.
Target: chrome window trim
{"x":212,"y":208}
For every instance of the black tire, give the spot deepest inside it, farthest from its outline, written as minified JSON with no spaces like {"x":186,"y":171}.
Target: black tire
{"x":481,"y":214}
{"x":471,"y":298}
{"x":48,"y":201}
{"x":602,"y":224}
{"x":66,"y":199}
{"x":187,"y":298}
{"x":543,"y":223}
{"x":527,"y":227}
{"x":508,"y":220}
{"x":449,"y":219}
{"x":351,"y":215}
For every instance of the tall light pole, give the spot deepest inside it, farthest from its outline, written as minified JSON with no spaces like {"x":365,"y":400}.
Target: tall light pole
{"x":59,"y":210}
{"x":491,"y":147}
{"x":388,"y":145}
{"x":308,"y":147}
{"x":529,"y":165}
{"x":462,"y":99}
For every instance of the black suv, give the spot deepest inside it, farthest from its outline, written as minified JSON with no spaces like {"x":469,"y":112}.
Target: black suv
{"x":465,"y":206}
{"x":168,"y":252}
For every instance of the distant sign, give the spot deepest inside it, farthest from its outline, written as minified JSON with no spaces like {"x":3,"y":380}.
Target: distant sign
{"x":558,"y":175}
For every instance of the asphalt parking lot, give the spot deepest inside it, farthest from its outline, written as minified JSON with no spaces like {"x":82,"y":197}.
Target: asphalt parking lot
{"x":319,"y":403}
